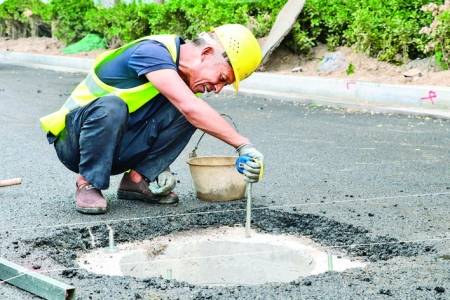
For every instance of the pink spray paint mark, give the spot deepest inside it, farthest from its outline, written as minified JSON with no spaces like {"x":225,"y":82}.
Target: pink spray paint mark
{"x":349,"y":83}
{"x":431,"y":95}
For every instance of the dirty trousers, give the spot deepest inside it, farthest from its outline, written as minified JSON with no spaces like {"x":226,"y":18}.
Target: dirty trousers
{"x":100,"y":140}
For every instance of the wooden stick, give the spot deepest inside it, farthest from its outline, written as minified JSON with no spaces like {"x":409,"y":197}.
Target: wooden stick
{"x":9,"y":182}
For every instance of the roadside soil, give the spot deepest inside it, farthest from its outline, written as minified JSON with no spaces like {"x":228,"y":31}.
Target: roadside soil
{"x":283,"y":62}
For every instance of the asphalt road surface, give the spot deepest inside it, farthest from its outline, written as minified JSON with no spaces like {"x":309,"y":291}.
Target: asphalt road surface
{"x":386,"y":174}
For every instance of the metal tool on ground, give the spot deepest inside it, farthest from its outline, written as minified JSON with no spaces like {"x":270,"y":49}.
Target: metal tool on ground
{"x":240,"y":162}
{"x":10,"y":182}
{"x":33,"y":282}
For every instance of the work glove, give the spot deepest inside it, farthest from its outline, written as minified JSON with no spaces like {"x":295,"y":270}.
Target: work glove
{"x":164,"y":183}
{"x":252,"y":169}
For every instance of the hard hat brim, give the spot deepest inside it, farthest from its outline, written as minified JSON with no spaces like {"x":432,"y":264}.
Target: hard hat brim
{"x":237,"y":80}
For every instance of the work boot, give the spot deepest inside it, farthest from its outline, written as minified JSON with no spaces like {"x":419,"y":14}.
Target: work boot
{"x":89,"y":200}
{"x":130,"y":190}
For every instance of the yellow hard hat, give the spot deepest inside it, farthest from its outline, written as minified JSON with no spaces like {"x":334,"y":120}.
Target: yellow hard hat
{"x":242,"y":49}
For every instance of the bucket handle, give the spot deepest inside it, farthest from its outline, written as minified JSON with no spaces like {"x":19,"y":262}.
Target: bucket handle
{"x":193,"y":153}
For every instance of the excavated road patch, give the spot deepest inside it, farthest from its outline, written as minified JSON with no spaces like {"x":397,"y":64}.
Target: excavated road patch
{"x":67,"y":244}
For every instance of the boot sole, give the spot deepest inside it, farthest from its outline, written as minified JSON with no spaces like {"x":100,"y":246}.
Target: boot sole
{"x":127,"y":195}
{"x":91,"y":211}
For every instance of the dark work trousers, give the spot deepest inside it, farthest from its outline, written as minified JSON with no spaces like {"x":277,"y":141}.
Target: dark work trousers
{"x":99,"y":140}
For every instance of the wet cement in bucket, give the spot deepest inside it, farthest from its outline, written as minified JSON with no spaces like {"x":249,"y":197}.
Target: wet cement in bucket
{"x":222,"y":256}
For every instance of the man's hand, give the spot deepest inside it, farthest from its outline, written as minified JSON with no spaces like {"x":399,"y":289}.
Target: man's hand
{"x":164,"y":184}
{"x":252,"y":169}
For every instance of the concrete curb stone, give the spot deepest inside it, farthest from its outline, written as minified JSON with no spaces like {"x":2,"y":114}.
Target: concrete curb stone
{"x":53,"y":62}
{"x":430,"y":101}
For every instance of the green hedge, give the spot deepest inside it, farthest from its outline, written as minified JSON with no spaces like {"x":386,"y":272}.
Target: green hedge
{"x":120,"y":24}
{"x":382,"y":29}
{"x":126,"y":22}
{"x":13,"y":16}
{"x":68,"y":18}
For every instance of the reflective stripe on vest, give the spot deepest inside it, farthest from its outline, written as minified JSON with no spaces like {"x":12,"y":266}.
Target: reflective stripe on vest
{"x":93,"y":88}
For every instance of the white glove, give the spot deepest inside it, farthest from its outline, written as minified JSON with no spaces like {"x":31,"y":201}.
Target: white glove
{"x":252,"y":169}
{"x":164,"y":184}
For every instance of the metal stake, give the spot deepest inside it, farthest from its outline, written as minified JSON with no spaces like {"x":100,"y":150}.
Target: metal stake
{"x":330,"y":262}
{"x":111,"y":248}
{"x":249,"y":211}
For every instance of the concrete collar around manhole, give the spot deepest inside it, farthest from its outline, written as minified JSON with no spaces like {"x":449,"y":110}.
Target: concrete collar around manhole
{"x":222,"y":256}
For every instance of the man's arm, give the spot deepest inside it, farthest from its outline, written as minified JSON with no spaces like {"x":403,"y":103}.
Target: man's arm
{"x":197,"y":112}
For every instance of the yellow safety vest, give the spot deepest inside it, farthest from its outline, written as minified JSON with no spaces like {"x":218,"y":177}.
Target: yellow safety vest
{"x":93,"y":88}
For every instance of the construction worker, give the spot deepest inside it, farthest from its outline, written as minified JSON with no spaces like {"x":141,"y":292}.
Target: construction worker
{"x":137,"y":109}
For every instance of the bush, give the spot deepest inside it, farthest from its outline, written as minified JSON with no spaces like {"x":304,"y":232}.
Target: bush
{"x":383,"y":30}
{"x":438,"y":33}
{"x":376,"y":27}
{"x":116,"y":23}
{"x":68,"y":18}
{"x":2,"y":28}
{"x":379,"y":28}
{"x":126,"y":22}
{"x":22,"y":18}
{"x":190,"y":17}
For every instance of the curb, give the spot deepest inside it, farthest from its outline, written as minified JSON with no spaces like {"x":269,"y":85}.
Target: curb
{"x":430,"y":101}
{"x":52,"y":62}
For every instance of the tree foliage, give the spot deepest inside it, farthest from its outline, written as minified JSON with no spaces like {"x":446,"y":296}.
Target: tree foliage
{"x":382,"y":29}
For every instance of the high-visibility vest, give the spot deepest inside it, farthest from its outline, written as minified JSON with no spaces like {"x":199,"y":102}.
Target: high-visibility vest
{"x":93,"y":88}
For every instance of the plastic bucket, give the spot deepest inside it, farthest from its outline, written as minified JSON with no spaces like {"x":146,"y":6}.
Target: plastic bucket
{"x":215,"y":178}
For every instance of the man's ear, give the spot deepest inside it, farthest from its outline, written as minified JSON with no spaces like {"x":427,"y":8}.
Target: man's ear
{"x":208,"y":51}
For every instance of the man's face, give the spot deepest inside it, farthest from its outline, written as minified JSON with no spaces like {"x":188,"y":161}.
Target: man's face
{"x":211,"y":75}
